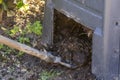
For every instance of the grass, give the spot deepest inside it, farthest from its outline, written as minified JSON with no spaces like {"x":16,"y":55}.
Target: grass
{"x":47,"y":75}
{"x":20,"y":35}
{"x":35,"y":28}
{"x":6,"y":49}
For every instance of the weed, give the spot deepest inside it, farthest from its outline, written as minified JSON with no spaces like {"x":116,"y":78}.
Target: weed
{"x":24,"y":8}
{"x":20,"y":35}
{"x":7,"y":49}
{"x":1,"y":46}
{"x":20,"y":4}
{"x":23,"y":39}
{"x":15,"y":31}
{"x":20,"y":53}
{"x":35,"y":28}
{"x":46,"y":75}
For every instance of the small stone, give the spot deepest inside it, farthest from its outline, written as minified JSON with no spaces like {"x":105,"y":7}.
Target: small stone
{"x":23,"y":70}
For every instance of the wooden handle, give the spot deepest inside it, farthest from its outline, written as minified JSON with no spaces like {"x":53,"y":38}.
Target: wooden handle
{"x":46,"y":56}
{"x":31,"y":51}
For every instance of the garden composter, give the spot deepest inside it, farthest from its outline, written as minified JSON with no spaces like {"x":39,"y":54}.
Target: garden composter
{"x":103,"y":18}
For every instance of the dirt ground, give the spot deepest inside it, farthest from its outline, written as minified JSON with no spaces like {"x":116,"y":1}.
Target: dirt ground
{"x":71,"y":42}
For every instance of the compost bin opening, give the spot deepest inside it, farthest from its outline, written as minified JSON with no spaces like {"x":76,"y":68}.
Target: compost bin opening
{"x":72,"y":40}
